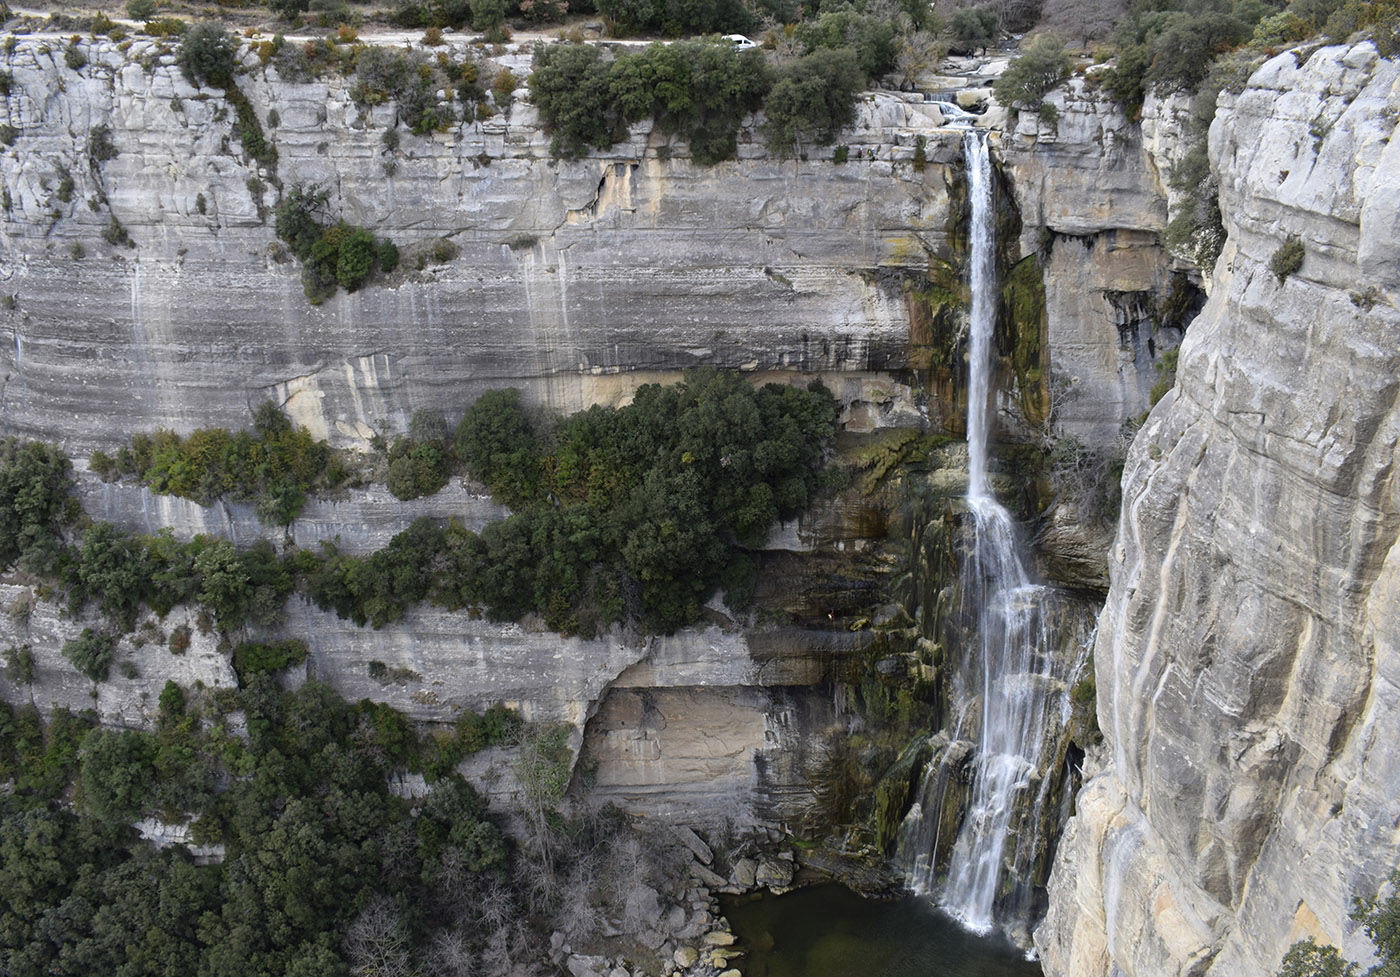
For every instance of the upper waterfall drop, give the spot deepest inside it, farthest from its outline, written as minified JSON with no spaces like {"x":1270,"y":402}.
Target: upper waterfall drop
{"x":982,"y":284}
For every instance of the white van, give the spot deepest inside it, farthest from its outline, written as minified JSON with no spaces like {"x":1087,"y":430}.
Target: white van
{"x":739,"y":41}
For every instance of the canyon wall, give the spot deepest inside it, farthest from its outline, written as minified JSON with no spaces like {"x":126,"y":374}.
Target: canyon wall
{"x":1249,"y":654}
{"x":576,"y":281}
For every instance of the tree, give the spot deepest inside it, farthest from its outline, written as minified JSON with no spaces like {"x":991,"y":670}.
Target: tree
{"x":117,"y":773}
{"x":489,"y":17}
{"x":1086,"y":20}
{"x":569,"y":86}
{"x":872,"y":38}
{"x":496,"y":443}
{"x":35,"y":502}
{"x":973,"y":27}
{"x":1041,"y":66}
{"x":207,"y":54}
{"x":91,"y":653}
{"x":812,"y":101}
{"x":116,"y":569}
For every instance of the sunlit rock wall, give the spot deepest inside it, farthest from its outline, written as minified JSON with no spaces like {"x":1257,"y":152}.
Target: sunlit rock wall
{"x":1248,"y":658}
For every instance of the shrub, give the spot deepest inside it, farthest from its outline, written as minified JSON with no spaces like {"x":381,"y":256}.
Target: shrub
{"x":1287,"y":259}
{"x":180,"y":640}
{"x":19,"y":664}
{"x":172,"y":701}
{"x":251,"y":658}
{"x":74,"y":57}
{"x":166,"y":27}
{"x":141,"y":10}
{"x":335,"y":254}
{"x":100,"y":145}
{"x":206,"y":55}
{"x":355,"y":258}
{"x":388,"y":255}
{"x":91,"y":653}
{"x":114,"y":233}
{"x":503,"y":85}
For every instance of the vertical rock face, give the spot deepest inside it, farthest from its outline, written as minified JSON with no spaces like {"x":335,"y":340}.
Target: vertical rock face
{"x":575,"y":280}
{"x":1093,"y":200}
{"x":1249,"y":653}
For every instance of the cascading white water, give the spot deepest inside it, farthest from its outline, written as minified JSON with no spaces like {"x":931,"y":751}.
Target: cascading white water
{"x":1009,"y":705}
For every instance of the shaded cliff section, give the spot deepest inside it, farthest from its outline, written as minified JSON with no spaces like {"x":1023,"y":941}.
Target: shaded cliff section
{"x":1248,"y":656}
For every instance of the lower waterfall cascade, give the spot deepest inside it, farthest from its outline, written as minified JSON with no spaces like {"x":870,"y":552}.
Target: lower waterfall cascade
{"x":1010,"y":700}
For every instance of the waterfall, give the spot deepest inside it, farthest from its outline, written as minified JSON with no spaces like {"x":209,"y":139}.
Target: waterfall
{"x":985,"y":794}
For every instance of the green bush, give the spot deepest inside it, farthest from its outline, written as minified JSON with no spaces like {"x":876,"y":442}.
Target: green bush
{"x":91,"y":653}
{"x":207,"y":55}
{"x":1287,"y":259}
{"x":332,"y":255}
{"x":141,"y":10}
{"x":355,"y":258}
{"x":74,"y":57}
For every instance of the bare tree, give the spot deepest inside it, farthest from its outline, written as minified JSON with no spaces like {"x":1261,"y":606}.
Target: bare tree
{"x":1086,"y":20}
{"x":917,"y":53}
{"x":377,"y":942}
{"x":449,"y":955}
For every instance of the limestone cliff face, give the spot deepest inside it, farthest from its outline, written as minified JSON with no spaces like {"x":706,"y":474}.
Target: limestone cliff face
{"x":1092,"y":191}
{"x":574,"y":280}
{"x":1248,"y":657}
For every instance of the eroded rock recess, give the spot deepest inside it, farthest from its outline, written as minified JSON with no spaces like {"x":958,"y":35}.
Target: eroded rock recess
{"x":1247,"y":654}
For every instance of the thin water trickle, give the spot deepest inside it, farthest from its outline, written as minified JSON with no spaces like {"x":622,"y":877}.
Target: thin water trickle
{"x":1009,"y":704}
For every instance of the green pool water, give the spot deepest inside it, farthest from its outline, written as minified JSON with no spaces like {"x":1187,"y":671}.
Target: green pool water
{"x":829,"y":931}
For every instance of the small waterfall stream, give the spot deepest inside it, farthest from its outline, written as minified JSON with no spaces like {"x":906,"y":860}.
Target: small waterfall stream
{"x":990,"y":776}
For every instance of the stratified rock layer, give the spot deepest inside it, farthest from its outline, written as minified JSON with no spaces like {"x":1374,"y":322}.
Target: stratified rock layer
{"x":1249,"y":655}
{"x":575,"y":280}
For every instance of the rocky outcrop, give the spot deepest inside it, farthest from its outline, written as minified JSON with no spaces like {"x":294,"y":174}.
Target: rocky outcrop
{"x":1248,"y":658}
{"x":1092,"y":192}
